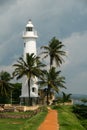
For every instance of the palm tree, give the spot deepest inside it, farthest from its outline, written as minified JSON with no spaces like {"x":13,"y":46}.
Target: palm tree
{"x":66,"y":97}
{"x":29,"y":68}
{"x":52,"y":80}
{"x":5,"y":85}
{"x":54,"y":51}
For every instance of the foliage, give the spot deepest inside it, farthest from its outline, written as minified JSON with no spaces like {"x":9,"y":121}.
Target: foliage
{"x":84,"y":100}
{"x":16,"y":92}
{"x":81,"y":113}
{"x":5,"y":76}
{"x":29,"y":68}
{"x":66,"y":97}
{"x":54,"y":51}
{"x":35,"y":121}
{"x":67,"y":119}
{"x":4,"y":100}
{"x":5,"y":86}
{"x":43,"y":109}
{"x":11,"y":93}
{"x":52,"y":80}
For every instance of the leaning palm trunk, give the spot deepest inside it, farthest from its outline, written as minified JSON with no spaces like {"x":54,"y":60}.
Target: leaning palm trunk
{"x":48,"y":92}
{"x":29,"y":91}
{"x":54,"y":51}
{"x":50,"y":63}
{"x":47,"y":97}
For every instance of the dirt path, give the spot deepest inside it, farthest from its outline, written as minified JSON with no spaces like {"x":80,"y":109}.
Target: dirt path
{"x":50,"y":122}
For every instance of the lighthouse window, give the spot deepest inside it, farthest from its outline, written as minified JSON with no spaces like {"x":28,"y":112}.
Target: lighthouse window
{"x":24,"y":44}
{"x":28,"y":28}
{"x":33,"y":89}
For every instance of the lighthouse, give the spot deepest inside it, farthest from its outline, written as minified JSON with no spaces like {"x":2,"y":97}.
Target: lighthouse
{"x":29,"y":36}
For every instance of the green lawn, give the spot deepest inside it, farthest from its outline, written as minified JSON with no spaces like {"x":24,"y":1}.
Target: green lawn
{"x":67,"y":119}
{"x":11,"y":124}
{"x":34,"y":122}
{"x":23,"y":124}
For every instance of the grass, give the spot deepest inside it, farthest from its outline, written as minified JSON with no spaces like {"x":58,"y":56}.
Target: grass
{"x":34,"y":122}
{"x":23,"y":124}
{"x":67,"y":119}
{"x":11,"y":124}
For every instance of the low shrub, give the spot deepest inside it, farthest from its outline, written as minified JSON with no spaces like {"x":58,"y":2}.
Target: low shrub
{"x":81,"y":113}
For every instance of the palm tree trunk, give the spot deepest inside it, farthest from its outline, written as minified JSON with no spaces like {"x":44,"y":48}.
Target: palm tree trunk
{"x":47,"y":98}
{"x":51,"y":62}
{"x":48,"y":90}
{"x":29,"y":91}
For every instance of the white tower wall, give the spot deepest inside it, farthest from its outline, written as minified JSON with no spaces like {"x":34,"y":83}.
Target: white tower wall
{"x":29,"y":37}
{"x":29,"y":46}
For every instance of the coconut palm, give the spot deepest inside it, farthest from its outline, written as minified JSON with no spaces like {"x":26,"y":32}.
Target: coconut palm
{"x":29,"y":68}
{"x":52,"y":80}
{"x":66,"y":97}
{"x":5,"y":85}
{"x":54,"y":51}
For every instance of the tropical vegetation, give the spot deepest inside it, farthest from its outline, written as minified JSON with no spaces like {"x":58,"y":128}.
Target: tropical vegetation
{"x":52,"y":80}
{"x":15,"y":93}
{"x":32,"y":67}
{"x":29,"y":68}
{"x":54,"y":52}
{"x":66,"y":97}
{"x":67,"y":119}
{"x":81,"y":113}
{"x":5,"y":87}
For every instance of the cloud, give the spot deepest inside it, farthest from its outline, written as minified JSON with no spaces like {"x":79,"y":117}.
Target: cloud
{"x":5,"y":5}
{"x":76,"y":45}
{"x":75,"y":71}
{"x":5,"y":2}
{"x":65,"y":20}
{"x":8,"y":48}
{"x":6,"y":68}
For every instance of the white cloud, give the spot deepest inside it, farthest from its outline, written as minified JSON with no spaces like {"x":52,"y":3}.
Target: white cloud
{"x":8,"y":68}
{"x":75,"y":71}
{"x":76,"y":45}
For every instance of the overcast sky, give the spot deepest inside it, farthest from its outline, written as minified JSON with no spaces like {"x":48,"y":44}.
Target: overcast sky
{"x":65,"y":19}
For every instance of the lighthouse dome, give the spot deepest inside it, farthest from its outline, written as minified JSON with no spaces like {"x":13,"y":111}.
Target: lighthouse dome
{"x":30,"y":24}
{"x":30,"y":31}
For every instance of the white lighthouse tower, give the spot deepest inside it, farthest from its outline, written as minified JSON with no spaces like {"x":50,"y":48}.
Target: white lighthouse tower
{"x":29,"y":37}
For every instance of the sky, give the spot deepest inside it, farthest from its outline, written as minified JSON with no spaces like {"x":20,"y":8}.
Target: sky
{"x":64,"y":19}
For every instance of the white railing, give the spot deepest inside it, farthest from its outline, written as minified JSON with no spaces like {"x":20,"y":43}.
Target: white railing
{"x":30,"y":33}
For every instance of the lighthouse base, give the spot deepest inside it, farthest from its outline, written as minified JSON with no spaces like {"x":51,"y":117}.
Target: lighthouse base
{"x":25,"y":101}
{"x":24,"y":98}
